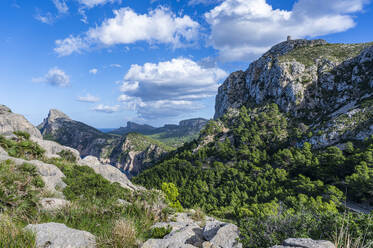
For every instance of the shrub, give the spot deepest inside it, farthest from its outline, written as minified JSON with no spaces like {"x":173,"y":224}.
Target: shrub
{"x":124,"y":232}
{"x":159,"y":232}
{"x":172,"y":193}
{"x":22,"y":148}
{"x":22,"y":134}
{"x":68,"y":156}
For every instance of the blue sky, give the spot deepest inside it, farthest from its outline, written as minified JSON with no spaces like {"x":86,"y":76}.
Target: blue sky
{"x":106,"y":62}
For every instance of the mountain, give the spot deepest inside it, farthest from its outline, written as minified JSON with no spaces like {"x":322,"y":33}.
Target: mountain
{"x":290,"y":147}
{"x":172,"y":135}
{"x":109,"y":148}
{"x":319,"y":84}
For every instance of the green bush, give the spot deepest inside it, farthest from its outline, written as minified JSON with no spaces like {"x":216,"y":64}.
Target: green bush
{"x":159,"y":232}
{"x":68,"y":156}
{"x":22,"y":134}
{"x":22,"y":148}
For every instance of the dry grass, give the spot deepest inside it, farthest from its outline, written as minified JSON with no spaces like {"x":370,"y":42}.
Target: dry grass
{"x":124,"y":233}
{"x":14,"y":236}
{"x":343,"y":238}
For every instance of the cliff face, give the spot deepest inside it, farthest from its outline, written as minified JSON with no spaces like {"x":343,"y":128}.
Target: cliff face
{"x":326,"y":86}
{"x":124,"y":152}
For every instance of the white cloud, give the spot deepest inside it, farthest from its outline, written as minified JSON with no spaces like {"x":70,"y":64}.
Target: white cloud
{"x":243,"y":29}
{"x":54,"y":77}
{"x":127,"y":27}
{"x":93,"y":71}
{"x":106,"y":108}
{"x":88,"y":98}
{"x":93,"y":3}
{"x":169,"y":88}
{"x":116,"y":65}
{"x":61,"y":6}
{"x":48,"y":18}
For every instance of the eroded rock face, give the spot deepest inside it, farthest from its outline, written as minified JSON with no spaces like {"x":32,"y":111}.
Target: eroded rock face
{"x":11,"y":122}
{"x":52,"y":149}
{"x":52,"y":204}
{"x":305,"y":243}
{"x":55,"y":235}
{"x":312,"y":81}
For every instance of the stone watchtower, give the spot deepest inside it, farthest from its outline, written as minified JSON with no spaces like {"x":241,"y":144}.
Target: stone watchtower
{"x":289,"y":38}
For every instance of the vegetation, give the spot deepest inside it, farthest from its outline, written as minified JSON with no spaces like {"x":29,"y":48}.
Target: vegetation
{"x":94,"y":204}
{"x":260,"y":176}
{"x":334,"y":52}
{"x":140,"y":142}
{"x":22,"y":147}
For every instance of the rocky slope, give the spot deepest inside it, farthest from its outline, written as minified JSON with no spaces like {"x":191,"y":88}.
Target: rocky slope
{"x":131,"y":153}
{"x":325,"y":86}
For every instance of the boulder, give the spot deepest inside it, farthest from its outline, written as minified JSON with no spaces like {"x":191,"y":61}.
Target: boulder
{"x":305,"y":243}
{"x":10,"y":122}
{"x":53,"y":148}
{"x":109,"y":172}
{"x":51,"y":204}
{"x":51,"y":175}
{"x":55,"y":235}
{"x":211,"y":228}
{"x":3,"y":152}
{"x":227,"y":237}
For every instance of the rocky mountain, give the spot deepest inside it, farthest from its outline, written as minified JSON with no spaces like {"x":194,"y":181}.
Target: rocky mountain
{"x":170,"y":134}
{"x":130,"y":153}
{"x":325,"y":86}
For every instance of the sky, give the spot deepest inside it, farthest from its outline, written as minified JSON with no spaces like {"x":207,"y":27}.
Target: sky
{"x":106,"y":62}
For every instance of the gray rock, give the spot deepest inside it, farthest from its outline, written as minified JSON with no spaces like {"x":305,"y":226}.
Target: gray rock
{"x":305,"y":243}
{"x":10,"y":122}
{"x":211,"y":228}
{"x":109,"y":172}
{"x":51,"y":204}
{"x":3,"y":152}
{"x":51,"y":175}
{"x":227,"y":237}
{"x":55,"y":235}
{"x":53,"y":148}
{"x":123,"y":202}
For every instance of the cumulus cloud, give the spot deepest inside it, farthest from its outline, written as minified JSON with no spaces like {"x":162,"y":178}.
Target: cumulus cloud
{"x":106,"y":108}
{"x":49,"y":18}
{"x":127,"y":27}
{"x":93,"y":3}
{"x":169,"y":88}
{"x":93,"y":71}
{"x":244,"y":29}
{"x":54,"y":77}
{"x":88,"y":98}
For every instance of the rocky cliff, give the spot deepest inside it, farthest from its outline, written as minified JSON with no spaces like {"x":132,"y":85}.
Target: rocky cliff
{"x":325,"y":86}
{"x":123,"y":152}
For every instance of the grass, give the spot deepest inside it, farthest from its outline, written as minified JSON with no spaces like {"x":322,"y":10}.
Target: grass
{"x":93,"y":207}
{"x":334,"y":52}
{"x":173,"y":142}
{"x":22,"y":147}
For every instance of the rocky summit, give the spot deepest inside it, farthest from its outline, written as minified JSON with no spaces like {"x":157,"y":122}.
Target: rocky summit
{"x":326,"y":86}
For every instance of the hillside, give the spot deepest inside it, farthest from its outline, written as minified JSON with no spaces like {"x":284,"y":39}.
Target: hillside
{"x":290,"y":144}
{"x":128,"y":153}
{"x":171,"y":135}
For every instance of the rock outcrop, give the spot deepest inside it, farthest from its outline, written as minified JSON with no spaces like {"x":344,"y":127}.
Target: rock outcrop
{"x":305,"y":243}
{"x":55,"y":235}
{"x":188,"y":233}
{"x":11,"y":122}
{"x":51,"y":175}
{"x":108,"y":172}
{"x":53,"y":204}
{"x":315,"y":82}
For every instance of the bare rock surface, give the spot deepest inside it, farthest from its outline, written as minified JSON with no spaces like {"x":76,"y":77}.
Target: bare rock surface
{"x":55,"y":235}
{"x":109,"y":172}
{"x":53,"y":148}
{"x":187,"y":232}
{"x":305,"y":243}
{"x":51,"y":204}
{"x":11,"y":122}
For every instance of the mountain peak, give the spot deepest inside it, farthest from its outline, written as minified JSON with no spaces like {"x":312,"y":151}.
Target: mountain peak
{"x":56,"y":114}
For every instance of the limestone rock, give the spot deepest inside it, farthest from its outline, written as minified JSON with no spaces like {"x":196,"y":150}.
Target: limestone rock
{"x":227,"y":237}
{"x":53,"y":148}
{"x":55,"y":235}
{"x":211,"y":228}
{"x":10,"y":122}
{"x":51,"y":204}
{"x":51,"y":175}
{"x":305,"y":243}
{"x":108,"y":172}
{"x":3,"y":152}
